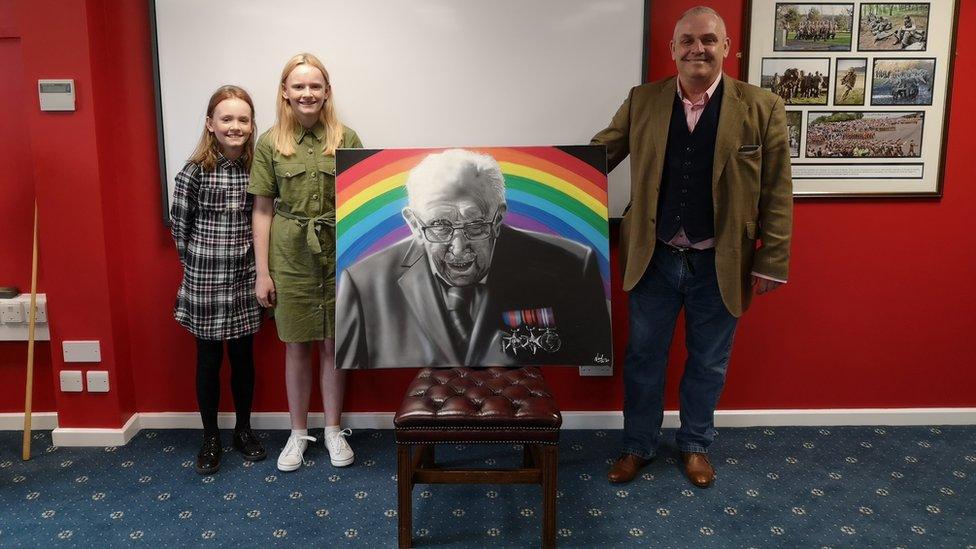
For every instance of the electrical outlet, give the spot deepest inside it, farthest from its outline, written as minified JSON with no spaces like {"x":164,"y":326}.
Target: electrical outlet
{"x":71,"y":381}
{"x":12,"y":329}
{"x":11,"y":312}
{"x":40,"y":316}
{"x":97,"y":381}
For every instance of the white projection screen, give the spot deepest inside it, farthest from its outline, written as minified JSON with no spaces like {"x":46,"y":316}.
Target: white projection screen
{"x":409,"y":73}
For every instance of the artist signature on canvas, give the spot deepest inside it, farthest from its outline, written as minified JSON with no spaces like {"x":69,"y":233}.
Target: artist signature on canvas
{"x":601,"y":359}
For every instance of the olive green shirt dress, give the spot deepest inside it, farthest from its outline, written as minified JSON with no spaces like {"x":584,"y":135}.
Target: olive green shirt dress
{"x":301,"y":254}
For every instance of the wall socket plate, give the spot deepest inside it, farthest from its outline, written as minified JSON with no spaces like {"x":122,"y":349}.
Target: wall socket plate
{"x":11,"y":312}
{"x":97,"y":381}
{"x":70,"y":381}
{"x":81,"y":351}
{"x":40,"y":316}
{"x":16,"y":327}
{"x":16,"y":310}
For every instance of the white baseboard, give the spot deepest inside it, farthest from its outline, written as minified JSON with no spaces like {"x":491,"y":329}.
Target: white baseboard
{"x":76,"y":436}
{"x":838,"y":417}
{"x":263,"y":420}
{"x":40,"y":421}
{"x":571,"y":420}
{"x":593,"y":420}
{"x":795,"y":418}
{"x":780,"y":418}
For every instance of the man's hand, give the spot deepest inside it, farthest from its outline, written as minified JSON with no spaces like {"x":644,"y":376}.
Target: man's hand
{"x":764,"y":285}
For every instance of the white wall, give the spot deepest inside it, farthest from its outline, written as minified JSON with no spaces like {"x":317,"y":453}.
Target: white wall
{"x":412,"y":73}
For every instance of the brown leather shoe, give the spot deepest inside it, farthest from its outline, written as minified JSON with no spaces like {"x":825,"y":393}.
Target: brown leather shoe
{"x":626,"y":467}
{"x":698,"y":469}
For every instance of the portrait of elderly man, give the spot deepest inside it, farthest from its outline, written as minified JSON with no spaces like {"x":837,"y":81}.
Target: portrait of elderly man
{"x":465,"y":289}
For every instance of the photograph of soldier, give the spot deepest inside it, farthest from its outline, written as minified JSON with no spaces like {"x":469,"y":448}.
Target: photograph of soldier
{"x":813,"y":27}
{"x":850,"y":81}
{"x":794,"y":119}
{"x":798,"y":81}
{"x":893,"y":27}
{"x":847,"y":134}
{"x":902,"y":81}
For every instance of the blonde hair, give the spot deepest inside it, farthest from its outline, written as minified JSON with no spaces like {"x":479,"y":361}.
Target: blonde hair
{"x":207,"y":149}
{"x":282,"y":133}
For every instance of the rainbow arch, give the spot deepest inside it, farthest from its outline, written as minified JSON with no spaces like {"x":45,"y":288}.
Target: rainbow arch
{"x":548,"y":190}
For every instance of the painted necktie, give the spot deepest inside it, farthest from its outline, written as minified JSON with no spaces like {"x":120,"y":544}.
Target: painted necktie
{"x":459,"y":310}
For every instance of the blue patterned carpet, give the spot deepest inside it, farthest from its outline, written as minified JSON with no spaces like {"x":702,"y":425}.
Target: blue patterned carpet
{"x":776,"y":487}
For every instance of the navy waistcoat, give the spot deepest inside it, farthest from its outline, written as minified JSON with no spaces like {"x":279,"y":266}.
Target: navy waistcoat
{"x":686,"y":182}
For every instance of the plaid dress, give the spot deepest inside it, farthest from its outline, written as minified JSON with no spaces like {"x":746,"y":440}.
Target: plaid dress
{"x":211,"y":216}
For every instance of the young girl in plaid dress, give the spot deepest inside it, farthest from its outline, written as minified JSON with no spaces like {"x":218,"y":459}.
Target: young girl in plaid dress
{"x":211,"y":217}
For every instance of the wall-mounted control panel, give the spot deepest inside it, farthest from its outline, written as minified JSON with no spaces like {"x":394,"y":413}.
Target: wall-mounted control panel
{"x":56,"y":94}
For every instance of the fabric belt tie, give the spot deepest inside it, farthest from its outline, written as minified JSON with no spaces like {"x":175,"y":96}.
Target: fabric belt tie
{"x":312,"y":226}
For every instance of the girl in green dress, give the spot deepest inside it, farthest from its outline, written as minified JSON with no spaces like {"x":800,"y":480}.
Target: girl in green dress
{"x":293,"y":183}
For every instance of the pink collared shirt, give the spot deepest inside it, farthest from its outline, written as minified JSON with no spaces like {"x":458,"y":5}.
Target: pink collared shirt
{"x":693,"y":112}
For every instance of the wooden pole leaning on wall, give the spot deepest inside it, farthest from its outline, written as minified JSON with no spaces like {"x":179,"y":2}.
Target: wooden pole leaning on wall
{"x":31,"y":323}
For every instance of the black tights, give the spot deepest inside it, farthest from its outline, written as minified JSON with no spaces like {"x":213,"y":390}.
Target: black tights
{"x":210,"y":354}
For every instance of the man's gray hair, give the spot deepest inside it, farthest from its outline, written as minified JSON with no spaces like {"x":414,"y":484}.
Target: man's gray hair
{"x":702,"y":10}
{"x":476,"y":173}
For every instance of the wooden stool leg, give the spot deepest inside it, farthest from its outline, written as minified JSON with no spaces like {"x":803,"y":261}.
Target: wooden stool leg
{"x":550,"y":459}
{"x":427,"y":455}
{"x":404,"y":495}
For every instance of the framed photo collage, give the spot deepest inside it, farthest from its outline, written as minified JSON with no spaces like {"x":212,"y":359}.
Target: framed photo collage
{"x":866,"y":89}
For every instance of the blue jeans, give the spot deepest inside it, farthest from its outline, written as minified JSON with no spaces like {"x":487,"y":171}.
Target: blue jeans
{"x":674,"y":280}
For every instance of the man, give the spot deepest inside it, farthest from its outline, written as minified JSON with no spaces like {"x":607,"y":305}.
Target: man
{"x":467,"y":290}
{"x":818,"y":84}
{"x":710,"y":166}
{"x":907,"y":34}
{"x":849,"y":80}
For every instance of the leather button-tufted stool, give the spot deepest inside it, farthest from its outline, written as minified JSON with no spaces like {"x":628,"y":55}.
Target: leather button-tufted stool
{"x":477,"y":406}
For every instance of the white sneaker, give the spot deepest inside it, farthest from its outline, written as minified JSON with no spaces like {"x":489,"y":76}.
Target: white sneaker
{"x":292,"y":456}
{"x":339,"y":451}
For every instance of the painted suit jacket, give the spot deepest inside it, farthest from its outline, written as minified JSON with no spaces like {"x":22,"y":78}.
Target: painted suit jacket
{"x":390,"y":314}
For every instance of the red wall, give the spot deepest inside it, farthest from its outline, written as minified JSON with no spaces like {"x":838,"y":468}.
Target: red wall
{"x":876,"y":313}
{"x":16,"y":222}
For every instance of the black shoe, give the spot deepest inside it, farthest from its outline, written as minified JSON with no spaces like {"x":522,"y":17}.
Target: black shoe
{"x":208,"y":460}
{"x":248,"y":445}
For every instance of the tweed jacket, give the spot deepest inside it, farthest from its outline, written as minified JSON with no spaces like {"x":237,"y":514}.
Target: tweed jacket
{"x":752,"y":190}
